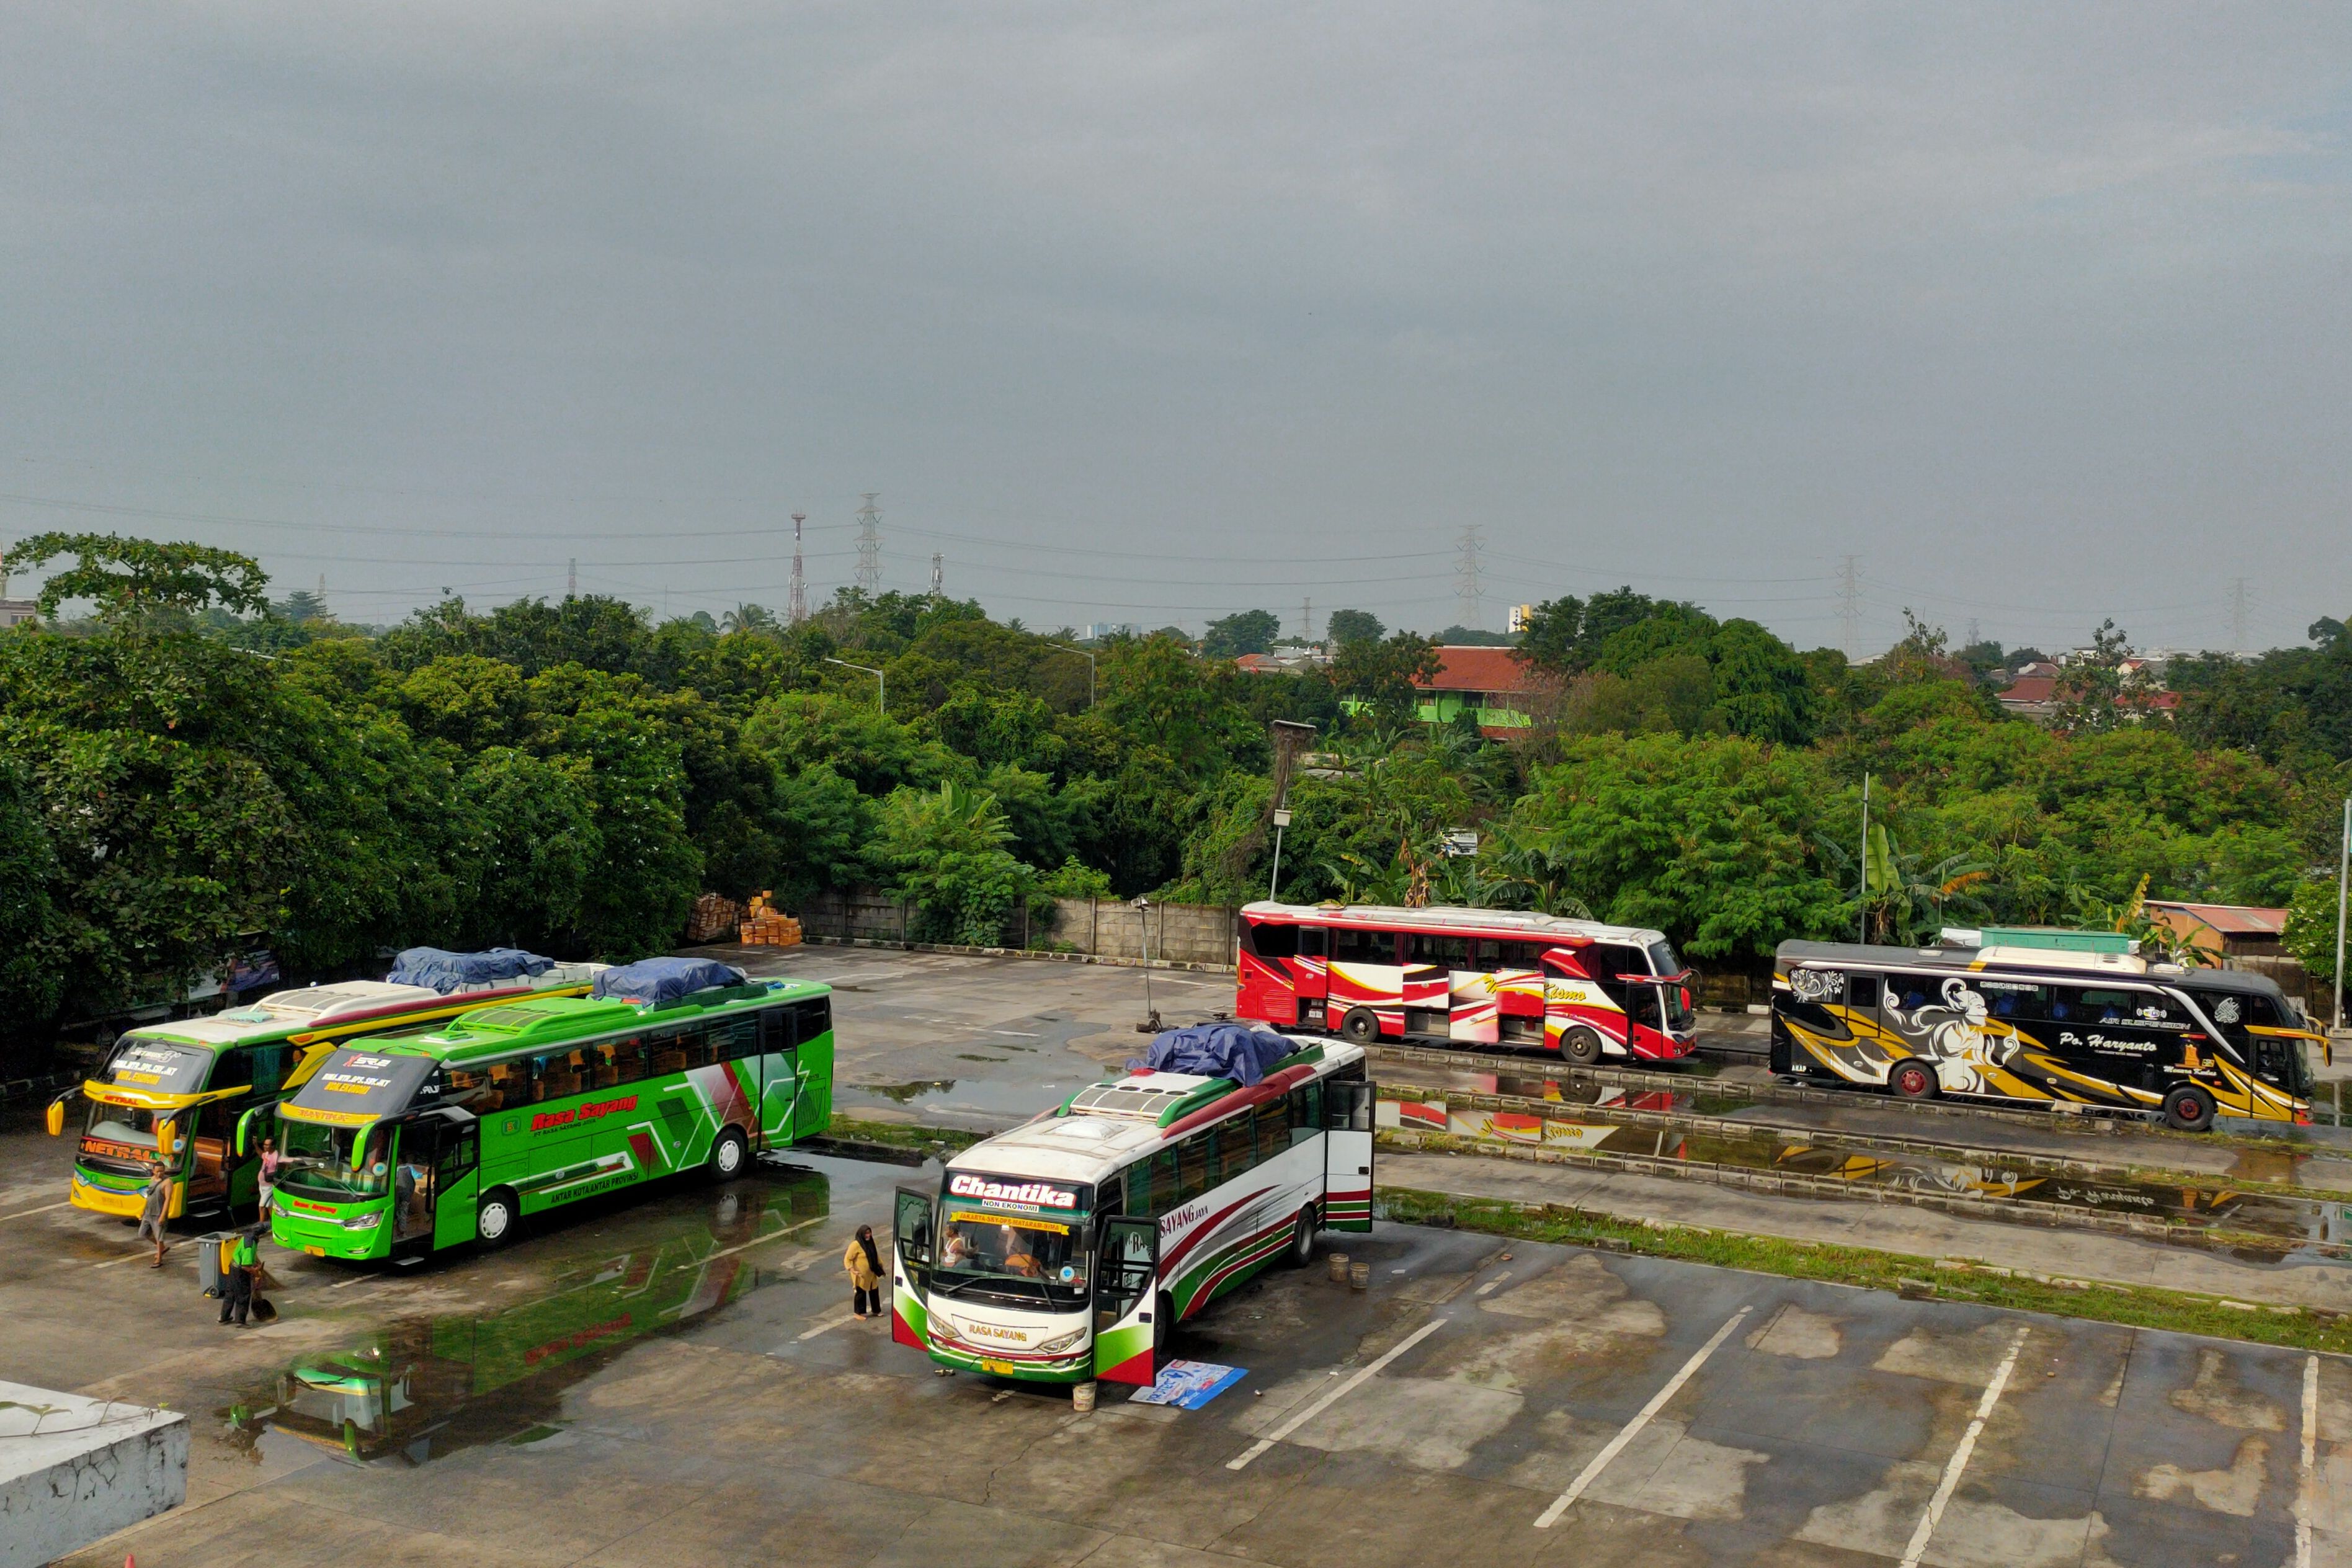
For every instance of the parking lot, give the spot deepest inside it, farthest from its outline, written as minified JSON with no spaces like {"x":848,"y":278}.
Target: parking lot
{"x":671,"y":1377}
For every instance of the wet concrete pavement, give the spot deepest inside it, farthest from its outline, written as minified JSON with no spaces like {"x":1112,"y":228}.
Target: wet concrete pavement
{"x":1800,"y":1423}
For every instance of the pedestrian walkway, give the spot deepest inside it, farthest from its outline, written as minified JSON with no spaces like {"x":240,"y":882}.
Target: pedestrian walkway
{"x":1916,"y":1232}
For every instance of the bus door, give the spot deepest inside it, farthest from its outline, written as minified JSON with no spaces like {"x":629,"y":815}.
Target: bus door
{"x":437,"y":1159}
{"x":1125,"y":1293}
{"x":910,"y":1265}
{"x":1366,"y":995}
{"x":1347,"y":1154}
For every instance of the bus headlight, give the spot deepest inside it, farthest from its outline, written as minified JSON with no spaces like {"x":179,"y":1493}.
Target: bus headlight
{"x":365,"y":1221}
{"x":1055,"y":1346}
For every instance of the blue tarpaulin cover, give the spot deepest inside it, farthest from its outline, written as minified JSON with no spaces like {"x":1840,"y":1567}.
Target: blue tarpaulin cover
{"x":1216,"y":1050}
{"x":445,"y":971}
{"x":664,"y":980}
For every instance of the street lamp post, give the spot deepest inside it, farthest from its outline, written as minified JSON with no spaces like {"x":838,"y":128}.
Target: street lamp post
{"x":1089,"y":657}
{"x":881,"y":682}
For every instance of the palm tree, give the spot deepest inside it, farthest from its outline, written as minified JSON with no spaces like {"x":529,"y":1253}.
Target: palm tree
{"x":748,"y":618}
{"x":1526,"y":861}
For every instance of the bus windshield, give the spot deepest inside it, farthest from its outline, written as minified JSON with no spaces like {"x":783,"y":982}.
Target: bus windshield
{"x":1012,"y":1257}
{"x":318,"y":1160}
{"x":154,"y":1066}
{"x":124,"y":1124}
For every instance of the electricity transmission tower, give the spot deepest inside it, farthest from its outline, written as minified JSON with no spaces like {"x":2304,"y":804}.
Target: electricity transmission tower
{"x":869,"y":544}
{"x":1467,"y":590}
{"x":571,"y":580}
{"x":1306,"y":620}
{"x":938,"y":577}
{"x":2237,"y":615}
{"x":1850,"y":600}
{"x":796,"y":611}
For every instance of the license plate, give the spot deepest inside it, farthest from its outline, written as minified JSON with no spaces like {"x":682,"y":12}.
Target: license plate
{"x":1002,"y":1368}
{"x":316,"y":1251}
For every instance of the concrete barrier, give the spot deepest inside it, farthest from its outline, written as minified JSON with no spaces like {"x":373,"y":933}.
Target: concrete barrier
{"x":74,"y":1470}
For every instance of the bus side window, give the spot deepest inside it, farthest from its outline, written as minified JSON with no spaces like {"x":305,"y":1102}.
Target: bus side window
{"x":1305,"y":1112}
{"x":1192,"y":1167}
{"x":1862,"y":990}
{"x":1446,"y":951}
{"x":231,"y":1070}
{"x":775,"y":1031}
{"x":1166,"y":1186}
{"x":1270,"y":939}
{"x":270,"y":1064}
{"x":1234,"y":1155}
{"x":667,"y":1053}
{"x":1311,"y":942}
{"x":812,"y":1018}
{"x":1273,"y":1128}
{"x":2017,"y":1004}
{"x":732,"y":1039}
{"x":556,"y":1074}
{"x":1352,"y":946}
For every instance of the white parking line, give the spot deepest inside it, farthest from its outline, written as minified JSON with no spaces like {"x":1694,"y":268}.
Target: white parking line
{"x":827,"y":1327}
{"x":1312,"y":1410}
{"x":762,"y":1240}
{"x":1632,"y":1428}
{"x":2304,"y":1499}
{"x":1959,"y":1459}
{"x":25,"y":1213}
{"x":1490,"y":1284}
{"x":1017,"y":1034}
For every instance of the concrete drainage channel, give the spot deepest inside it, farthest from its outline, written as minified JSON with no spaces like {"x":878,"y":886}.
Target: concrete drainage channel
{"x":2008,"y":1185}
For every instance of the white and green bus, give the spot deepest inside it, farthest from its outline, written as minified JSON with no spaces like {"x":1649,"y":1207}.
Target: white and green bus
{"x":1067,"y":1249}
{"x":440,"y":1137}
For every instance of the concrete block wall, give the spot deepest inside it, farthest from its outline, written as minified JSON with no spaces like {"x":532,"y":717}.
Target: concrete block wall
{"x":73,"y":1471}
{"x":1180,"y":934}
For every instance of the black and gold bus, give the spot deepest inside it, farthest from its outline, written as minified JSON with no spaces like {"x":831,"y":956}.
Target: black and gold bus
{"x":2099,"y":1030}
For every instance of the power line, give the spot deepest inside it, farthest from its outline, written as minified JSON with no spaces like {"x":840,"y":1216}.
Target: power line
{"x":869,"y":545}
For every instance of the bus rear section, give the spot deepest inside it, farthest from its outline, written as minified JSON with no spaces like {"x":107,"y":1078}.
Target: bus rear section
{"x":1489,"y":977}
{"x":2095,"y":1031}
{"x":1067,"y":1250}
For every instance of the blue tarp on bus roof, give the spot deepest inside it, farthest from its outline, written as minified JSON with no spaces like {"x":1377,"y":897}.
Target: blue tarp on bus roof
{"x":446,"y":971}
{"x":664,"y":980}
{"x":1216,"y":1050}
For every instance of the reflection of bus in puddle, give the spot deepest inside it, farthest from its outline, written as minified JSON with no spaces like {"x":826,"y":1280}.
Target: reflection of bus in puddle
{"x":426,"y":1388}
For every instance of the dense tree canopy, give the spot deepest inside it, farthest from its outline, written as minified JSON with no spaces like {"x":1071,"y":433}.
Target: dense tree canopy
{"x":197,"y":772}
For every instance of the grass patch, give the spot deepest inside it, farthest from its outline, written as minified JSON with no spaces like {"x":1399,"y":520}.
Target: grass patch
{"x":2171,"y":1310}
{"x":900,"y":1135}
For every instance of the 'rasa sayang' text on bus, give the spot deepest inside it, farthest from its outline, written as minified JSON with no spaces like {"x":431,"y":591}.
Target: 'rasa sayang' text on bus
{"x":438,"y":1138}
{"x":1466,"y":976}
{"x":179,"y":1090}
{"x":1067,"y":1249}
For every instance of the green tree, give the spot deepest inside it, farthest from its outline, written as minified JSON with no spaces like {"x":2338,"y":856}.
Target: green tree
{"x":947,"y":849}
{"x":1347,"y":626}
{"x":1245,"y":631}
{"x":1385,"y":675}
{"x":130,"y":579}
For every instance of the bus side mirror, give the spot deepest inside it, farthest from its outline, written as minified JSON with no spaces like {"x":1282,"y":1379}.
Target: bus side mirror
{"x":243,"y":1124}
{"x":167,"y":1138}
{"x":54,"y":1118}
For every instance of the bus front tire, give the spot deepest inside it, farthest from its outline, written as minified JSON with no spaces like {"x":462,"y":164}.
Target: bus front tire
{"x":1582,"y":1047}
{"x":495,"y":1221}
{"x":1302,"y":1239}
{"x":728,"y":1155}
{"x":2190,"y":1108}
{"x":1361,"y":1027}
{"x":1912,"y":1080}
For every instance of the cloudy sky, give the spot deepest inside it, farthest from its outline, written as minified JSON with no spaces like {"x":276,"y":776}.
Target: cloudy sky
{"x":1148,"y":313}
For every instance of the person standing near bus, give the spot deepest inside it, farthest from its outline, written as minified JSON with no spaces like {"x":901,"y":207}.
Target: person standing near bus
{"x":269,"y":1158}
{"x":154,"y":1199}
{"x":865,"y":1265}
{"x":236,"y":1278}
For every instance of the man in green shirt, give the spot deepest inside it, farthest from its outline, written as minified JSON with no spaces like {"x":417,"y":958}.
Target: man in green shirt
{"x":236,"y":1293}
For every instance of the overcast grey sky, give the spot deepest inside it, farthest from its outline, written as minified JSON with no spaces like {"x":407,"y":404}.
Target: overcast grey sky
{"x":1145,"y":313}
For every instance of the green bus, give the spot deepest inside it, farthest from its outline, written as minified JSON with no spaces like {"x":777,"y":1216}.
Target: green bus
{"x":418,"y":1142}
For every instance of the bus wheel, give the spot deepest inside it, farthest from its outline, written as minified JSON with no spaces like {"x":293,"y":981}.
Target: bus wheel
{"x":1302,"y":1239}
{"x":1912,"y":1080}
{"x":728,"y":1155}
{"x":494,"y":1222}
{"x":1582,"y":1047}
{"x":1361,"y":1025}
{"x":2188,"y":1107}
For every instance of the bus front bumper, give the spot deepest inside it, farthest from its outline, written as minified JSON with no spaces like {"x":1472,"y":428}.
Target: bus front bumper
{"x":87,"y":1193}
{"x":331,"y":1234}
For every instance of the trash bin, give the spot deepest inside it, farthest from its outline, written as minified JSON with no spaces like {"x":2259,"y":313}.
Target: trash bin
{"x":209,"y":1249}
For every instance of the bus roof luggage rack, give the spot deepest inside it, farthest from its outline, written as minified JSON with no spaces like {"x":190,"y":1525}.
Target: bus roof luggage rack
{"x":2057,"y":939}
{"x":2061,"y":958}
{"x":661,"y":981}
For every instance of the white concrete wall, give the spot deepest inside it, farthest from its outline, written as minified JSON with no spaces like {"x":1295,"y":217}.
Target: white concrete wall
{"x":73,"y":1471}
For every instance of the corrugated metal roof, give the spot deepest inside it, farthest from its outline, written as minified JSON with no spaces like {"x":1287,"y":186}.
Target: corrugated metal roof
{"x":1472,"y":669}
{"x":2229,"y":920}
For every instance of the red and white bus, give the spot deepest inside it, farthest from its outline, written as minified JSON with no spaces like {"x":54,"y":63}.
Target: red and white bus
{"x":1482,"y":976}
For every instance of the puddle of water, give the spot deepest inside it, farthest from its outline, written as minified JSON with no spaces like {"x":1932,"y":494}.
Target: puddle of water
{"x":423,"y":1387}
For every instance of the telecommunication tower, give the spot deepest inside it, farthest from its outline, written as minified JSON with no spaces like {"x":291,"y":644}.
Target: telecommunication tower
{"x":1850,"y":600}
{"x":1306,"y":620}
{"x":1465,"y":581}
{"x":939,"y":577}
{"x":869,"y":544}
{"x":796,"y":611}
{"x":572,"y":579}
